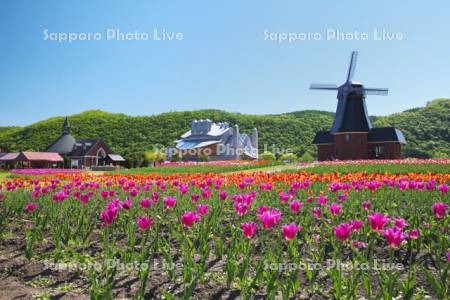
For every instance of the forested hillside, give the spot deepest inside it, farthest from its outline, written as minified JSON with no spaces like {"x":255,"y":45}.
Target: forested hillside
{"x":426,"y":129}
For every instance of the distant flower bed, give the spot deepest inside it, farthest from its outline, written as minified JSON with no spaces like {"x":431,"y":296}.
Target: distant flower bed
{"x":388,"y":161}
{"x":213,"y":163}
{"x":44,"y":171}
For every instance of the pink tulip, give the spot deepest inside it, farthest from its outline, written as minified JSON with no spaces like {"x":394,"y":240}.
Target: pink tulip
{"x":317,"y":238}
{"x":289,"y":231}
{"x":189,"y":218}
{"x":202,"y":209}
{"x":206,"y":193}
{"x":448,"y":256}
{"x":145,"y":203}
{"x":443,"y":188}
{"x":195,"y":198}
{"x":84,"y":198}
{"x":262,"y":209}
{"x":342,"y":231}
{"x":342,"y":197}
{"x":359,"y":245}
{"x":316,"y":212}
{"x":378,"y":221}
{"x":127,"y":204}
{"x":356,"y":224}
{"x":400,"y":223}
{"x":335,"y":209}
{"x":30,"y":207}
{"x":284,"y":197}
{"x":414,"y":234}
{"x":394,"y":237}
{"x":183,"y":189}
{"x":241,"y":209}
{"x":223,"y":195}
{"x":249,"y":229}
{"x":155,"y":197}
{"x":170,"y":202}
{"x":109,"y":215}
{"x":144,"y":223}
{"x":439,"y":209}
{"x":366,"y":205}
{"x":270,"y":218}
{"x":59,"y":196}
{"x":322,"y":200}
{"x":296,"y":205}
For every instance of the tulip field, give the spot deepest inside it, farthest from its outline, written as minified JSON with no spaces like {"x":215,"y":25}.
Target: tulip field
{"x":253,"y":235}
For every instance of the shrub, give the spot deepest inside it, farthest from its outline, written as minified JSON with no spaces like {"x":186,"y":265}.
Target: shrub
{"x":152,"y":156}
{"x":266,"y":155}
{"x":203,"y":157}
{"x":288,"y":157}
{"x":306,"y":157}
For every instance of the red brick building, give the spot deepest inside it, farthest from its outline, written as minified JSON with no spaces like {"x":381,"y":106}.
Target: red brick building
{"x":378,"y":143}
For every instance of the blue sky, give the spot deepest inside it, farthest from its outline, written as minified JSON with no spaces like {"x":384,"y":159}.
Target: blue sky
{"x":223,"y":61}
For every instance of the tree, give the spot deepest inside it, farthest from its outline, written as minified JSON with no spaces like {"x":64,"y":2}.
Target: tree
{"x":155,"y":156}
{"x":306,"y":157}
{"x":266,"y":155}
{"x":288,"y":157}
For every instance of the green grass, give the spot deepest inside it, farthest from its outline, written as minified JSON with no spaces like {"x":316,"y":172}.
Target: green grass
{"x":4,"y":174}
{"x":377,"y":168}
{"x":167,"y":170}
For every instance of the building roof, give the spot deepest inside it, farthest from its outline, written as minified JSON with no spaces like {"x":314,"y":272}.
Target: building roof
{"x":32,"y":156}
{"x":206,"y":128}
{"x":83,"y":146}
{"x":9,"y":156}
{"x":386,"y":134}
{"x":40,"y":156}
{"x":116,"y":157}
{"x":63,"y":145}
{"x":193,"y":144}
{"x":323,"y":137}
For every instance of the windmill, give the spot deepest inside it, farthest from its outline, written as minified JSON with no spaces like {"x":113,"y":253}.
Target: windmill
{"x":351,"y":112}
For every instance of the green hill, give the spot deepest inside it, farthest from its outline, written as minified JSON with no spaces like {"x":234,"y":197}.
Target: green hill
{"x":426,"y":129}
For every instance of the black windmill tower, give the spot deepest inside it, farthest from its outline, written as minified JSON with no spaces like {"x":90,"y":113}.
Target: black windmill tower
{"x":351,"y":112}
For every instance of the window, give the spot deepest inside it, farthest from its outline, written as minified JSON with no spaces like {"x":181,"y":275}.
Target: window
{"x":380,"y":150}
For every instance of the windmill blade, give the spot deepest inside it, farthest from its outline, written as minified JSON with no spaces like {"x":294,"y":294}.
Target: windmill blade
{"x":376,"y":91}
{"x":323,"y":86}
{"x":351,"y":68}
